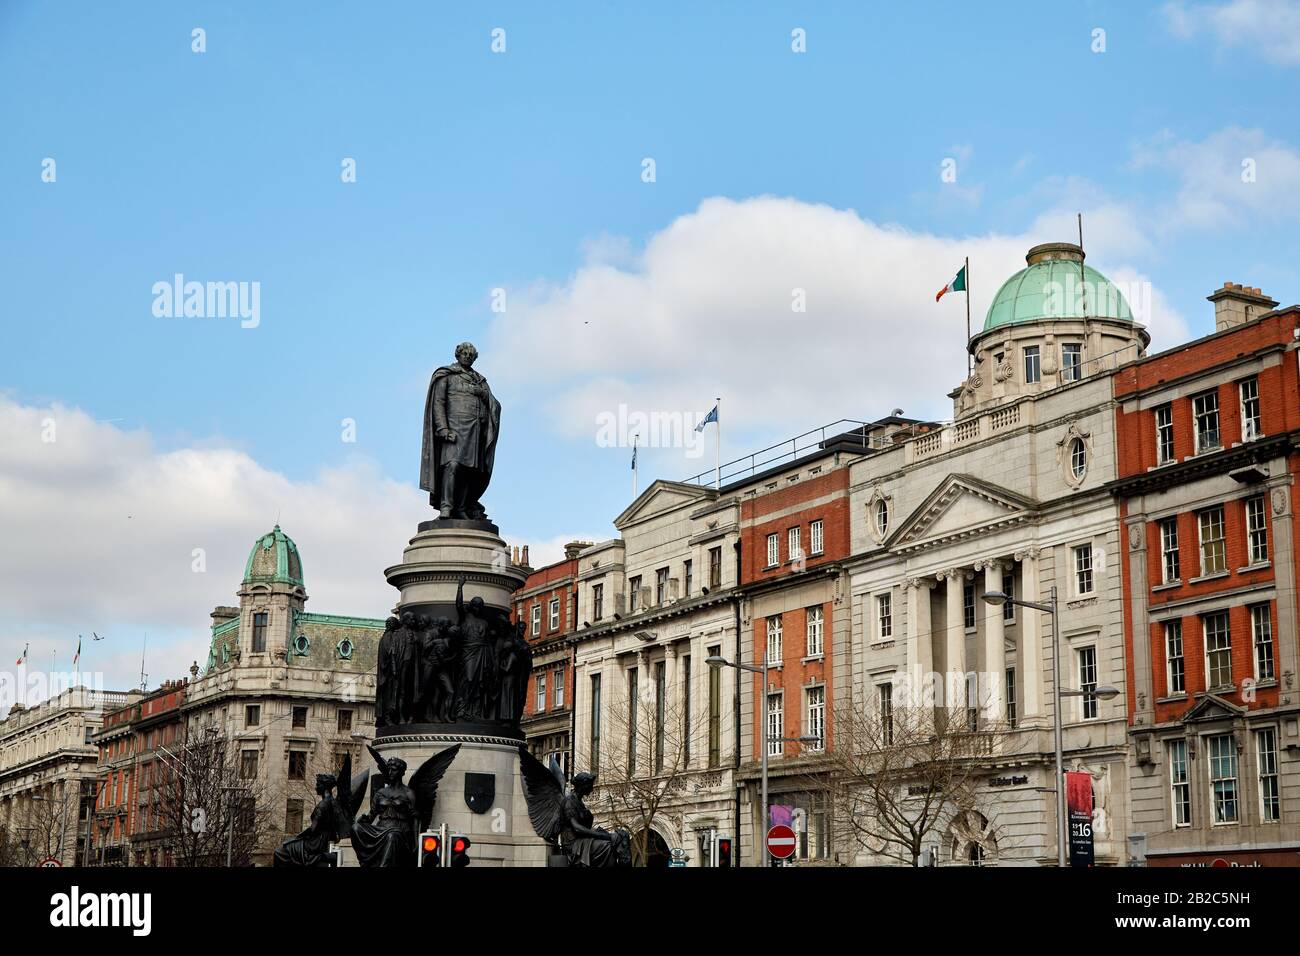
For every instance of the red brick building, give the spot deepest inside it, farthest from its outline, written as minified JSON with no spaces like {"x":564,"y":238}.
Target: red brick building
{"x":133,"y":745}
{"x":548,"y":604}
{"x":1208,"y":439}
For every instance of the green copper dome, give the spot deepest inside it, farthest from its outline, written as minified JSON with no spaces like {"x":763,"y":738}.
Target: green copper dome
{"x":274,"y":560}
{"x":1050,"y":287}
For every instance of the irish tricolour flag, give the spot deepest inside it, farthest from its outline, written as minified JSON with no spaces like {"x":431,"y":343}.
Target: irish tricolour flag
{"x":958,"y":284}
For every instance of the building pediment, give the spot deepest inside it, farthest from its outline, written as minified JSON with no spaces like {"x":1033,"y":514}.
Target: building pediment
{"x":663,"y":497}
{"x":960,"y":507}
{"x":1211,"y":707}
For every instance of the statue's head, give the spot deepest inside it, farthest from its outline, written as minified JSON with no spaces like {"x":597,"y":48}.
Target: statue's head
{"x":466,"y":354}
{"x":394,"y":769}
{"x":425,"y":622}
{"x":325,"y":782}
{"x":391,"y":624}
{"x":477,"y":606}
{"x":583,"y":783}
{"x":408,"y":619}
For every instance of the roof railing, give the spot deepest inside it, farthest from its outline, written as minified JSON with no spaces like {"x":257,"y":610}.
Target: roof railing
{"x":787,"y":451}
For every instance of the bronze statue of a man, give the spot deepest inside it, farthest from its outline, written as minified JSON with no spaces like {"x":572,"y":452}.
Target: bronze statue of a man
{"x":461,"y":421}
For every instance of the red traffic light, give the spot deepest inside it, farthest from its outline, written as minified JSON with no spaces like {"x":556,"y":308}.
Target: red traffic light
{"x":430,"y":843}
{"x":724,"y":851}
{"x":460,"y":845}
{"x":430,"y":849}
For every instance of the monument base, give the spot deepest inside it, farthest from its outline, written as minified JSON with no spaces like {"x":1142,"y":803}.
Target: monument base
{"x":501,"y":834}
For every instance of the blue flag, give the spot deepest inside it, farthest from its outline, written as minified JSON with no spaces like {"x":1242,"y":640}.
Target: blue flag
{"x":711,"y":417}
{"x":634,"y":457}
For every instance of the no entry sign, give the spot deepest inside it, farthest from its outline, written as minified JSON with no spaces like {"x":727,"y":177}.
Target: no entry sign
{"x":780,"y":841}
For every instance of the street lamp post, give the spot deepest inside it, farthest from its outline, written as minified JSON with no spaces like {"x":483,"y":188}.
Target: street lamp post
{"x":761,"y":669}
{"x":1103,"y":692}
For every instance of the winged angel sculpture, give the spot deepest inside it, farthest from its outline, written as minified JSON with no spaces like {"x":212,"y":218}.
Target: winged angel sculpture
{"x":331,"y":819}
{"x":387,"y":834}
{"x":561,"y":817}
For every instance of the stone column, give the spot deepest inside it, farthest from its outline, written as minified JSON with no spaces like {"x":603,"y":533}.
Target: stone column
{"x":920,"y":641}
{"x":993,"y":696}
{"x":955,"y":634}
{"x":1031,"y":640}
{"x":672,"y":707}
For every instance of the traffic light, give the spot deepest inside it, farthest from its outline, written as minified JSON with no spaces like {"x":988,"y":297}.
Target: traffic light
{"x":724,"y":851}
{"x":430,"y":848}
{"x":459,"y":850}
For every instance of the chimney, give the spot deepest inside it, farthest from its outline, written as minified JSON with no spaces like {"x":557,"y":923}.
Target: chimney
{"x":573,"y":547}
{"x":514,"y":555}
{"x":1236,"y":304}
{"x":524,"y":560}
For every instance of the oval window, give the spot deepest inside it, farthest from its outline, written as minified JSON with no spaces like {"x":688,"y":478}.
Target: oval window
{"x":1078,"y":458}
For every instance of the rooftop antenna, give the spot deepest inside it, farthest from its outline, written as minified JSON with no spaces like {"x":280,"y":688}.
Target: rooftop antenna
{"x":144,"y":678}
{"x":1083,"y":278}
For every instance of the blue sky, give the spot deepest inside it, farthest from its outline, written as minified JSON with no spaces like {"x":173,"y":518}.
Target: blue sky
{"x":522,"y":170}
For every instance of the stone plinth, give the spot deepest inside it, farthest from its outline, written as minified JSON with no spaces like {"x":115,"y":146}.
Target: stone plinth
{"x":500,"y":836}
{"x":440,"y":553}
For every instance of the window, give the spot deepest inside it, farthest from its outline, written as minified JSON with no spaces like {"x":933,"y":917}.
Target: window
{"x":816,"y":619}
{"x":300,"y":717}
{"x":1214,"y":554}
{"x":1078,"y":459}
{"x":633,"y":712}
{"x":1088,"y":681}
{"x":774,"y":640}
{"x":259,"y":632}
{"x":539,"y":688}
{"x":715,"y":709}
{"x":968,"y":605}
{"x":344,"y":721}
{"x":1270,"y":802}
{"x":1011,"y":697}
{"x":1033,"y":372}
{"x":773,"y":550}
{"x":1223,"y":777}
{"x":293,"y":816}
{"x":1180,"y":787}
{"x":882,"y":517}
{"x":558,"y":683}
{"x":885,"y":616}
{"x":1164,"y":434}
{"x":1250,"y":423}
{"x":1256,"y":530}
{"x":796,"y":548}
{"x":1205,"y":414}
{"x":597,"y":601}
{"x":595,"y":723}
{"x":535,"y":624}
{"x":661,"y":695}
{"x":634,"y":598}
{"x":252,"y":715}
{"x":1261,"y":631}
{"x":688,"y":578}
{"x":715,"y":567}
{"x":297,"y":765}
{"x":775,"y":725}
{"x":885,"y":700}
{"x":661,"y":586}
{"x":1009,"y":589}
{"x":1083,"y":569}
{"x":816,"y":540}
{"x":1175,"y":668}
{"x":1169,"y":567}
{"x":1071,"y":361}
{"x":817,"y":716}
{"x":1218,"y":650}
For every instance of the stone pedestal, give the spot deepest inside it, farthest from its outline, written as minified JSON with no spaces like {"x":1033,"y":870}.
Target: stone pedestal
{"x":501,"y":835}
{"x":443,"y":550}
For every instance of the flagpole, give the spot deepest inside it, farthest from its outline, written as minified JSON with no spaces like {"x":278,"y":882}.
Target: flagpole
{"x":717,"y":448}
{"x":634,"y":467}
{"x":970,"y":367}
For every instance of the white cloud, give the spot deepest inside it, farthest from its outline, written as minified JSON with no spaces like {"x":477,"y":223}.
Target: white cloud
{"x":705,"y":310}
{"x":99,"y":528}
{"x":1234,"y":177}
{"x":1271,"y":28}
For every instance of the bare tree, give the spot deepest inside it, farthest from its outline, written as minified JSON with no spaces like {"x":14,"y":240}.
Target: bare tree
{"x":643,"y":764}
{"x":208,"y":805}
{"x":46,"y":827}
{"x":896,"y":778}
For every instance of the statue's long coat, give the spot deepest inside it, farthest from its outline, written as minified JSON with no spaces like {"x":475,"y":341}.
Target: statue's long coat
{"x":478,"y":453}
